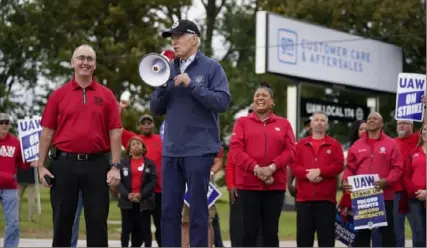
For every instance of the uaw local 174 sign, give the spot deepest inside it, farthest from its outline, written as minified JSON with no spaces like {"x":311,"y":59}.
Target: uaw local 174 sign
{"x":213,"y":195}
{"x":410,"y":89}
{"x":367,"y":202}
{"x":29,"y":136}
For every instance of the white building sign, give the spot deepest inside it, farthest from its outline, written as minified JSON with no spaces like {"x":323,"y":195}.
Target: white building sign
{"x":294,"y":48}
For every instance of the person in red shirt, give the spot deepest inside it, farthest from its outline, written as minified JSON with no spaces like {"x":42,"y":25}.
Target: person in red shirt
{"x":318,"y":162}
{"x":136,"y":190}
{"x":376,"y":153}
{"x":81,"y":123}
{"x":407,"y":141}
{"x":10,"y":160}
{"x":262,"y":145}
{"x":415,"y":186}
{"x":154,"y":153}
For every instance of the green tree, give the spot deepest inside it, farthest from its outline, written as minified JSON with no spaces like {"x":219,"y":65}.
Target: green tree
{"x":121,"y":32}
{"x":19,"y":56}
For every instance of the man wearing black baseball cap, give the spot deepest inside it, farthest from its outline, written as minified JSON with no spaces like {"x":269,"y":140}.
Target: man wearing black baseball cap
{"x":182,"y":27}
{"x":191,"y":100}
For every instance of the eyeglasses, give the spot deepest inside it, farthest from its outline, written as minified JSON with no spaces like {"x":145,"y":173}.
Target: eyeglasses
{"x":4,"y":122}
{"x":87,"y":58}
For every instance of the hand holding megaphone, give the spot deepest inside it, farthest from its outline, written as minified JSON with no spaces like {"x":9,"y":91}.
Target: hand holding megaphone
{"x":154,"y":69}
{"x":124,"y":100}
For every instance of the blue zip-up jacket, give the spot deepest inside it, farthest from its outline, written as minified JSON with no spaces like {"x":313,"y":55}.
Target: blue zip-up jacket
{"x":191,"y":123}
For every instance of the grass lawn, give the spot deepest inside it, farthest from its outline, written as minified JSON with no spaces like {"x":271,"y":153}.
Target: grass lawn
{"x":43,"y":227}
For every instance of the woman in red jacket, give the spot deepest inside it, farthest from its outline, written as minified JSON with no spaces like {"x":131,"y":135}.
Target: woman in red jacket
{"x":262,"y":145}
{"x":415,"y":185}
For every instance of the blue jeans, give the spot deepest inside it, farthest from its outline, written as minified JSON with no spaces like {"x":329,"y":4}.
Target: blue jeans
{"x":217,"y":231}
{"x":399,"y":225}
{"x":75,"y":235}
{"x":9,"y":201}
{"x":417,"y":218}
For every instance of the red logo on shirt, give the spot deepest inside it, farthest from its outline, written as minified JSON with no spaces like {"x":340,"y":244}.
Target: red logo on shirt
{"x":98,"y":100}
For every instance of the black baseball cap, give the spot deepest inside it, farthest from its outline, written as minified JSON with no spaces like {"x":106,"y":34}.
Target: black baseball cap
{"x":182,"y":27}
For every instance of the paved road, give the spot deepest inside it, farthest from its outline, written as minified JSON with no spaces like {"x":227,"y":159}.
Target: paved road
{"x":116,"y":243}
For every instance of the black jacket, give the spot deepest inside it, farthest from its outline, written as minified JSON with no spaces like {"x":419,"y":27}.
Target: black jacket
{"x":149,"y":180}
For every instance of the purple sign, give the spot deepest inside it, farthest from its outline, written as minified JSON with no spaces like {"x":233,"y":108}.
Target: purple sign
{"x":213,"y":195}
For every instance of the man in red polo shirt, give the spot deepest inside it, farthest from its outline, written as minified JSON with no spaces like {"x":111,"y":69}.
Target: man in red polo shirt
{"x":81,"y":122}
{"x":153,"y":142}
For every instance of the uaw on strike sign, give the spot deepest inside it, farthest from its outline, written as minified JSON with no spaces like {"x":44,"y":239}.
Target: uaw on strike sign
{"x":29,"y":137}
{"x":410,"y":89}
{"x":367,"y":202}
{"x":213,"y":195}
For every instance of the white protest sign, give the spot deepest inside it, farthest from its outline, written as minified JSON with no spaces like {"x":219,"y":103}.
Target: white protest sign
{"x":29,"y":136}
{"x":367,"y":202}
{"x":362,"y":182}
{"x":410,"y":89}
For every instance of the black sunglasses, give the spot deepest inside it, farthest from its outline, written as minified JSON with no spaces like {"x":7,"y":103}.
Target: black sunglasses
{"x":4,"y":122}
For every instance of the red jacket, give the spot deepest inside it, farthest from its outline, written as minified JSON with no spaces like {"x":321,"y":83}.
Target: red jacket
{"x":385,"y":160}
{"x":254,"y":142}
{"x":154,"y":152}
{"x":230,"y":172}
{"x":10,"y":159}
{"x":406,"y":147}
{"x":330,"y":161}
{"x":415,"y":172}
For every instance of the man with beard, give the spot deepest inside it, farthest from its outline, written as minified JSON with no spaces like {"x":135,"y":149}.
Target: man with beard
{"x":376,"y":153}
{"x":153,"y":142}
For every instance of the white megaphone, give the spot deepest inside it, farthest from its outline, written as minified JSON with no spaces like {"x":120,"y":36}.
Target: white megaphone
{"x":154,"y":69}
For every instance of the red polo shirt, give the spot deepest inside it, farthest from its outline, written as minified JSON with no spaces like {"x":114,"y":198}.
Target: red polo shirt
{"x":82,"y":118}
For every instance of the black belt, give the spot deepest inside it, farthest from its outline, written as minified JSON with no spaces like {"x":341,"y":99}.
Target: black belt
{"x":82,"y":156}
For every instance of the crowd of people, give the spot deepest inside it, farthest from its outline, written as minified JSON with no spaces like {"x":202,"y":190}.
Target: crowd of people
{"x":83,"y":137}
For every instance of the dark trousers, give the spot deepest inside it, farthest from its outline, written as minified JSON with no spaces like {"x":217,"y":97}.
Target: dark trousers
{"x":71,"y":176}
{"x":316,"y":217}
{"x":388,"y":236}
{"x":195,"y":171}
{"x":157,"y":215}
{"x":217,"y":231}
{"x":260,"y":210}
{"x":135,"y":224}
{"x":235,"y":225}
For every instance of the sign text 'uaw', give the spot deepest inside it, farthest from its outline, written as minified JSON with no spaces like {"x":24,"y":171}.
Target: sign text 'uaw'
{"x":334,"y":111}
{"x":410,"y":89}
{"x":367,"y":202}
{"x":29,"y":136}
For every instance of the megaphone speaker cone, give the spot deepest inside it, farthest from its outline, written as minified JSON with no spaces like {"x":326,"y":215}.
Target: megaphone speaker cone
{"x":154,"y":69}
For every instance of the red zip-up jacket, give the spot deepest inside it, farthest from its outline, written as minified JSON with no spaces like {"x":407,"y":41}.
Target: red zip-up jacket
{"x":154,"y":152}
{"x":230,"y":174}
{"x":406,"y":147}
{"x":254,"y":142}
{"x":384,"y":159}
{"x":415,"y":172}
{"x":330,"y":161}
{"x":10,"y":159}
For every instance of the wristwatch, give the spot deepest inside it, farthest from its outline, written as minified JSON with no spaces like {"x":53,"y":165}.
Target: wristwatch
{"x":117,"y":165}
